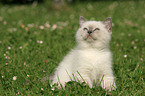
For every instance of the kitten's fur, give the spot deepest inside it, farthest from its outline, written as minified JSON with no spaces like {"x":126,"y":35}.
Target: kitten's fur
{"x":91,"y":60}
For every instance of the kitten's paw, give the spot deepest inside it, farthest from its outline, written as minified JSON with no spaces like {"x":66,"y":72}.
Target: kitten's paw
{"x":113,"y":87}
{"x":108,"y":83}
{"x":110,"y":86}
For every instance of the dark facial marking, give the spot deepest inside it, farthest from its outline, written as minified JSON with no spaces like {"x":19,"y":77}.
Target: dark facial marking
{"x":90,"y":30}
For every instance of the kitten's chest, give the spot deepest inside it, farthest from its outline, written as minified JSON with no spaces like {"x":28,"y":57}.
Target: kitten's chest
{"x":91,"y":57}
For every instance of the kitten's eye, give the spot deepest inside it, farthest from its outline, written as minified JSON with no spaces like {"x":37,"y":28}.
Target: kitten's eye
{"x":97,"y":29}
{"x":85,"y":29}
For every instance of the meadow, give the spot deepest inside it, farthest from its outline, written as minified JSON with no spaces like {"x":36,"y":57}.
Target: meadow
{"x":34,"y":38}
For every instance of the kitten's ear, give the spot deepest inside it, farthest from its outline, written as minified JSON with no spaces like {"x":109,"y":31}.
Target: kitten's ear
{"x":108,"y":24}
{"x":82,"y":20}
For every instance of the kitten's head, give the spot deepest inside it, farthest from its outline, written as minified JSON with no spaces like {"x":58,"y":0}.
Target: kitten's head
{"x":94,"y":33}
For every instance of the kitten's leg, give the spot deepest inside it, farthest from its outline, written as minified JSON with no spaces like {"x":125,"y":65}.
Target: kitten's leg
{"x":83,"y":77}
{"x":107,"y":81}
{"x":61,"y":77}
{"x":63,"y":72}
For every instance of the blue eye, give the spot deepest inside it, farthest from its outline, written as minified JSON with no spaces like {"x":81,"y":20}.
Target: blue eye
{"x":97,"y":29}
{"x":85,"y":29}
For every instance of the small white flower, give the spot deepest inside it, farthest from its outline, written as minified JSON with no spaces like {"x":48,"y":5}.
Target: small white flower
{"x":41,"y":27}
{"x":134,"y":47}
{"x":2,"y":76}
{"x":28,"y":75}
{"x":6,"y":57}
{"x":141,"y":59}
{"x":42,"y":89}
{"x":125,"y":56}
{"x":44,"y":71}
{"x":54,"y":26}
{"x":20,"y":47}
{"x":9,"y":47}
{"x":132,"y":42}
{"x":15,"y":78}
{"x":5,"y":22}
{"x":40,"y":42}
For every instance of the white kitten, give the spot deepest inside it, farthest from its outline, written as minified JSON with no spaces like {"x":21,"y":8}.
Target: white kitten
{"x":91,"y":60}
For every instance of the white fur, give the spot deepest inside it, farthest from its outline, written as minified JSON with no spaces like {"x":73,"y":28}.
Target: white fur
{"x":91,"y":58}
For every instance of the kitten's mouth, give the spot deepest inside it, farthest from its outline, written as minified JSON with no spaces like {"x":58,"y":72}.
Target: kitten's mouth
{"x":89,"y":37}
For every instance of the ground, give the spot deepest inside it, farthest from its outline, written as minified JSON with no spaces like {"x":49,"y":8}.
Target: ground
{"x":35,"y":38}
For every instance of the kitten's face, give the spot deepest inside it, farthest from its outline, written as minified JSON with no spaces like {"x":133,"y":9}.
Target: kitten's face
{"x":94,"y":31}
{"x":91,"y":30}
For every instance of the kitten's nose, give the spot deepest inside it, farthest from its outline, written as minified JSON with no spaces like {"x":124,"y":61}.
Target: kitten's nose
{"x":89,"y":32}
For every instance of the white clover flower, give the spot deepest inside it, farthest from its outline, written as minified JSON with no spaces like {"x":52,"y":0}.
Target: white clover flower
{"x":5,"y":22}
{"x":41,"y":27}
{"x":15,"y":78}
{"x":134,"y":47}
{"x":40,"y":42}
{"x":54,"y":26}
{"x":42,"y":89}
{"x":9,"y":47}
{"x":28,"y":75}
{"x":125,"y":56}
{"x":6,"y":57}
{"x":141,"y":59}
{"x":20,"y":47}
{"x":132,"y":42}
{"x":141,"y":72}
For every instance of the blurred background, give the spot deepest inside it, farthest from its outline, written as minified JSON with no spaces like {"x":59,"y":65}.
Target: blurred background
{"x":55,"y":1}
{"x":35,"y":35}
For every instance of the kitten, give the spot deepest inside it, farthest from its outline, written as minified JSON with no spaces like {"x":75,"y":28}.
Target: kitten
{"x":91,"y":59}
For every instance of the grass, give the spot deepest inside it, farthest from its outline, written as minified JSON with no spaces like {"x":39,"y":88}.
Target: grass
{"x":34,"y":39}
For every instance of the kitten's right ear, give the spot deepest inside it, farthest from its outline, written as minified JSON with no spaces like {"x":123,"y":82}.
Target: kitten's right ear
{"x":108,"y":24}
{"x":82,"y":20}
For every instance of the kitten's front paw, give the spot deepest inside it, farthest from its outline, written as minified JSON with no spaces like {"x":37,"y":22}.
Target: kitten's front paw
{"x":108,"y":83}
{"x":112,"y":87}
{"x":109,"y":86}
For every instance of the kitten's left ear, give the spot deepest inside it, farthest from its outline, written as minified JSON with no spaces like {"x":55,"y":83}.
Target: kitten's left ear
{"x":108,"y":24}
{"x":82,"y":20}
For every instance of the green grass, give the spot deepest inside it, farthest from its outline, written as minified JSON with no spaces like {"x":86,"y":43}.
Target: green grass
{"x":23,"y":56}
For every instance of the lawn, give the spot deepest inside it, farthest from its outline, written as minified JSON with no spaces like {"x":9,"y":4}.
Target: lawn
{"x":35,"y":38}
